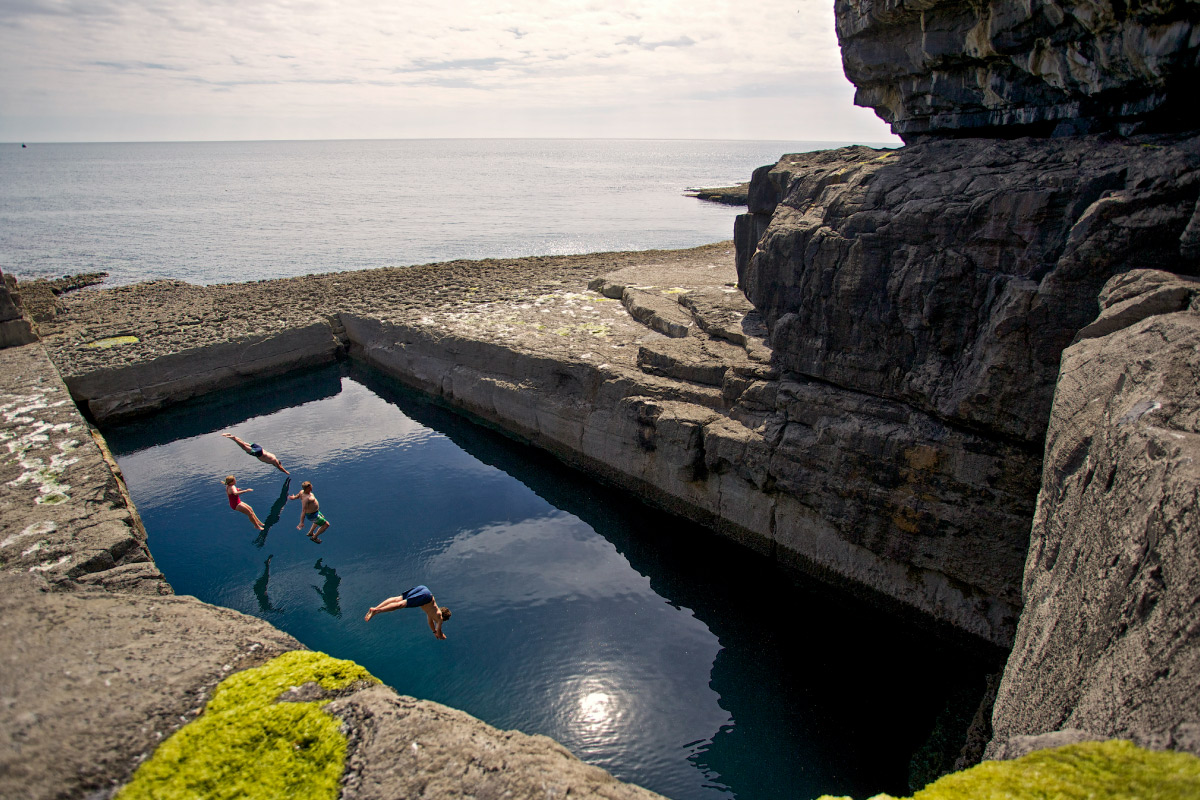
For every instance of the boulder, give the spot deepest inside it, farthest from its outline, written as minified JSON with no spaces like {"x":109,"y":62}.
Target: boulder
{"x":1109,"y":641}
{"x":14,"y":327}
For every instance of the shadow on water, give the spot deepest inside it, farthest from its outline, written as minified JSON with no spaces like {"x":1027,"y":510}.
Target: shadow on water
{"x":228,"y":408}
{"x":801,"y":662}
{"x":329,"y":589}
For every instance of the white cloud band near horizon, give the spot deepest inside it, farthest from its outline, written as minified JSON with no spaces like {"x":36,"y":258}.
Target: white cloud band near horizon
{"x":150,"y":70}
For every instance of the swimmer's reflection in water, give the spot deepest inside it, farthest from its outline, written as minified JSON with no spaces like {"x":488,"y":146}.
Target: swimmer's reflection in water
{"x":260,"y":588}
{"x":329,"y":590}
{"x":276,"y":510}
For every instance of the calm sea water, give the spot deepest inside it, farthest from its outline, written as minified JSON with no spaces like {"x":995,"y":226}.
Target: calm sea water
{"x":219,"y":212}
{"x":646,"y":645}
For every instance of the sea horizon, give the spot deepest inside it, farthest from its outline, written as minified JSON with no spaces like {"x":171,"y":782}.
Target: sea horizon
{"x":832,"y":142}
{"x":210,"y":212}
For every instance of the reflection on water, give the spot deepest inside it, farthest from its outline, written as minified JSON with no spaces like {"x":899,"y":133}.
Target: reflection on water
{"x":329,"y":589}
{"x":646,"y":645}
{"x":273,"y":516}
{"x":260,"y":588}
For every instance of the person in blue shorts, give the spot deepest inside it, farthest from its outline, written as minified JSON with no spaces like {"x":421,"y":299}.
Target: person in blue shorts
{"x":257,"y":451}
{"x":310,"y":510}
{"x":416,"y":597}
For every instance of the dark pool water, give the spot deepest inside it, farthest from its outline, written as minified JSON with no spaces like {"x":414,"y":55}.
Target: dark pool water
{"x":646,"y":645}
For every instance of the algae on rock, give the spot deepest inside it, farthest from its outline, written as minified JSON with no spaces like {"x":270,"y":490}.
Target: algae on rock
{"x":253,"y":741}
{"x":1112,"y":770}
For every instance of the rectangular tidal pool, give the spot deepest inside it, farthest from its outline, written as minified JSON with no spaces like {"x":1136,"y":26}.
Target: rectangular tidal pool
{"x":646,"y":645}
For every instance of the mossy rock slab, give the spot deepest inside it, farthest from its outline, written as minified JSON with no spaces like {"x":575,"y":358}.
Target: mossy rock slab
{"x":1113,"y":770}
{"x":254,"y":740}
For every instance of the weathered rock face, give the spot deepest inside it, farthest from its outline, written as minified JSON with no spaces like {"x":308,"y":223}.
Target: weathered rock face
{"x":1108,"y":642}
{"x":1009,"y":68}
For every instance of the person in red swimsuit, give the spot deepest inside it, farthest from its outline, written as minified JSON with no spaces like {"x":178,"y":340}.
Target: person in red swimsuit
{"x":235,"y":501}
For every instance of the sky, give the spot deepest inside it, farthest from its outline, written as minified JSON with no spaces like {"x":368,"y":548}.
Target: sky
{"x":166,"y":70}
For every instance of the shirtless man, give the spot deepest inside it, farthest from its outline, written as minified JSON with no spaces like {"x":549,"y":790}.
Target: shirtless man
{"x":257,"y":451}
{"x":310,"y":510}
{"x":420,"y":597}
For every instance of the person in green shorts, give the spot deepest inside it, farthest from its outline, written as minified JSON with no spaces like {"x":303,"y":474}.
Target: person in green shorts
{"x":310,"y":510}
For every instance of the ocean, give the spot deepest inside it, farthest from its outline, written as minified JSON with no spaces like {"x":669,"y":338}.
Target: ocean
{"x":222,"y":212}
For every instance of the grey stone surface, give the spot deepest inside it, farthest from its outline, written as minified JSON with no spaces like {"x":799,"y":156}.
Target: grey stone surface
{"x":63,"y":513}
{"x":115,"y":393}
{"x":1108,"y":641}
{"x":657,"y":312}
{"x":1018,"y":746}
{"x":15,"y":329}
{"x":940,"y":67}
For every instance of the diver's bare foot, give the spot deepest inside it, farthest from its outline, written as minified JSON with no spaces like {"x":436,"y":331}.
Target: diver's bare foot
{"x":370,"y":614}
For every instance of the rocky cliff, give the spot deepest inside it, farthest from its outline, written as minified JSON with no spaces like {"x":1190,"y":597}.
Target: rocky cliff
{"x":1009,"y":68}
{"x":922,"y":298}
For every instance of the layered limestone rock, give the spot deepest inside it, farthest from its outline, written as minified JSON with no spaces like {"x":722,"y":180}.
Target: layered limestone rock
{"x":1008,"y":68}
{"x":1108,"y":645}
{"x":951,"y":275}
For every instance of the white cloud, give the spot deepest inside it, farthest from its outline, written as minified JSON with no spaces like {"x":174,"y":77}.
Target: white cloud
{"x":319,"y":68}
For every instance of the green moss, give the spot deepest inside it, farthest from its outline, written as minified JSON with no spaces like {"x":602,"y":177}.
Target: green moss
{"x":595,"y":329}
{"x":1113,"y":770}
{"x":112,"y":341}
{"x":246,"y":745}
